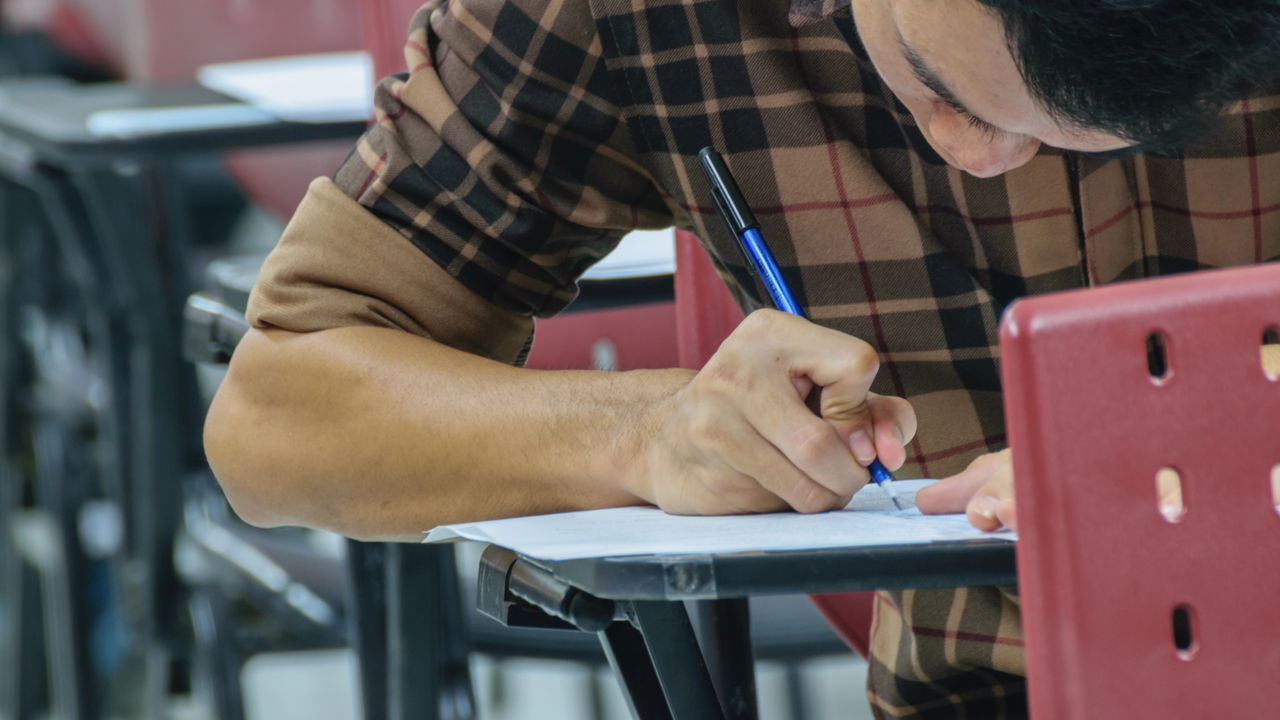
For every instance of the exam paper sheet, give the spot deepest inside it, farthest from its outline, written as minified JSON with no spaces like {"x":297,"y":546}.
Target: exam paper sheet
{"x":868,"y":520}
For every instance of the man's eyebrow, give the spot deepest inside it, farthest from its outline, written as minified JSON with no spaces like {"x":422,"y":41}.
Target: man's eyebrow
{"x":930,"y":79}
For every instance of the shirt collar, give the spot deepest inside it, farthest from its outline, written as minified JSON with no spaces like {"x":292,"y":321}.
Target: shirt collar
{"x":804,"y":12}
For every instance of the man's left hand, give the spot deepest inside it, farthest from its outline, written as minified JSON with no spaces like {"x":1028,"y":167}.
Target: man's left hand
{"x":983,"y":491}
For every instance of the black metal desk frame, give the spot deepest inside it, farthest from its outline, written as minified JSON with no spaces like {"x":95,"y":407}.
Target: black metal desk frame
{"x":672,"y":667}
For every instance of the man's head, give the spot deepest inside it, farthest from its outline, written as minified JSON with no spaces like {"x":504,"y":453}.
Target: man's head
{"x":988,"y":81}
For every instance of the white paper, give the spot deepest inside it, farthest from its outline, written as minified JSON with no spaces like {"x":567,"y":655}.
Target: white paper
{"x":868,"y":520}
{"x":640,"y":253}
{"x":320,"y":88}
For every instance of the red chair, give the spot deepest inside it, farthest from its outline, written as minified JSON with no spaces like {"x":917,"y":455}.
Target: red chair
{"x":618,"y":322}
{"x":1130,"y":610}
{"x":628,"y":338}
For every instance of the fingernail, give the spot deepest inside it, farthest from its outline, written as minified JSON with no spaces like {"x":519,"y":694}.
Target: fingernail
{"x":984,"y":505}
{"x":863,"y":449}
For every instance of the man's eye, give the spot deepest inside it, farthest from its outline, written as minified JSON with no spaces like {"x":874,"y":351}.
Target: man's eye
{"x":981,"y":125}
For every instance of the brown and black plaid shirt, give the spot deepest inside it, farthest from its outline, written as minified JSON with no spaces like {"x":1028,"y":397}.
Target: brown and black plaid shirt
{"x":530,"y":135}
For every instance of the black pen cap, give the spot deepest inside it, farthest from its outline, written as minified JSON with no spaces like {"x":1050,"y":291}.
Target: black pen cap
{"x":724,"y":190}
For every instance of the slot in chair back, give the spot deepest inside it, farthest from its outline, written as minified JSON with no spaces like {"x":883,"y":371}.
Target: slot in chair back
{"x":1127,"y":612}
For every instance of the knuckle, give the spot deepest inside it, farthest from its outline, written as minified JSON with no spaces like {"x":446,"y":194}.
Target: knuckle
{"x":863,"y":361}
{"x":844,"y":408}
{"x":812,"y":498}
{"x":731,"y":375}
{"x":722,"y":483}
{"x":705,"y":432}
{"x":759,"y":319}
{"x":812,"y":443}
{"x":762,"y":325}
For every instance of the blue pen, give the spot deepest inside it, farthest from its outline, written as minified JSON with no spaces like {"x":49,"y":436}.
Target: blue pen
{"x":742,"y":223}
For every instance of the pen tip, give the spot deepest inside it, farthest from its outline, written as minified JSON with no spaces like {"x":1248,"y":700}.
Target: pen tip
{"x":893,"y":496}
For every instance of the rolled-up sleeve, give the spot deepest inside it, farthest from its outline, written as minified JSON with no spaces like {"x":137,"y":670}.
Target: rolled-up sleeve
{"x":498,"y":170}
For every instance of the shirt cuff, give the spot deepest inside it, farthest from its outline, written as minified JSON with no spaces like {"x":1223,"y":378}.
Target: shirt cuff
{"x":337,"y":265}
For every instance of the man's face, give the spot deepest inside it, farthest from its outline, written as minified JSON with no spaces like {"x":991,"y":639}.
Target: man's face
{"x":949,"y":63}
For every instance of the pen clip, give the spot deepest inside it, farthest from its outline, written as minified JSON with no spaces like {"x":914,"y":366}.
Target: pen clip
{"x":724,"y":190}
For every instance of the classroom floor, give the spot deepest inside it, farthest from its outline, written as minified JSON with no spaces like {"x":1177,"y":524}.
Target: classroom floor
{"x":322,"y":686}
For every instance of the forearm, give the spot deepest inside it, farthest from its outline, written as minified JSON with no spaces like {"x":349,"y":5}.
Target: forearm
{"x":376,"y":433}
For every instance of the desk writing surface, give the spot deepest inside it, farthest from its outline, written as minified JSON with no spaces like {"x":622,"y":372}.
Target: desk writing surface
{"x":316,"y":88}
{"x":58,"y":119}
{"x":642,"y":553}
{"x":869,"y":520}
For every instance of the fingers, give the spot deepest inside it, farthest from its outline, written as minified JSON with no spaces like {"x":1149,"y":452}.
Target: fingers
{"x":992,"y":506}
{"x":842,"y":365}
{"x":950,"y":495}
{"x":744,"y":415}
{"x":895,"y":425}
{"x":757,"y":458}
{"x":808,"y":442}
{"x":733,"y":444}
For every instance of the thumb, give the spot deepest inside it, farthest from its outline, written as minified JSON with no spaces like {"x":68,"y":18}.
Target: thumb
{"x":951,"y":495}
{"x":992,"y":505}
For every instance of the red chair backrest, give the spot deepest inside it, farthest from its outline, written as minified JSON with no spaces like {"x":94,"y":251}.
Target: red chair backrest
{"x":705,"y":311}
{"x":1105,"y":578}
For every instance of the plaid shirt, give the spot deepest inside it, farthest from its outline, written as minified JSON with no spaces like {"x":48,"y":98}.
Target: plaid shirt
{"x":529,"y":136}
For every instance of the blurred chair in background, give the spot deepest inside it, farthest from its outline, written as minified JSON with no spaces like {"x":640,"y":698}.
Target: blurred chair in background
{"x":44,"y":37}
{"x":101,"y":420}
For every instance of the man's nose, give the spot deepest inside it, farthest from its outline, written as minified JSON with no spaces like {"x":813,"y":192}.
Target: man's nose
{"x":976,"y":150}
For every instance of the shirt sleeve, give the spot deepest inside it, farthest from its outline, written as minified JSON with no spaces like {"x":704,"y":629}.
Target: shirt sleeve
{"x":339,"y":266}
{"x":501,"y":160}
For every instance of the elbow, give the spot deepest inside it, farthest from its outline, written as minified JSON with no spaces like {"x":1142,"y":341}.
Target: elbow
{"x":281,"y":449}
{"x":231,"y":456}
{"x":238,"y":441}
{"x":251,"y":442}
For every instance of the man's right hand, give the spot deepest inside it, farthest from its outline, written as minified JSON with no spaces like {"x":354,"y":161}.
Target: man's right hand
{"x":740,"y":438}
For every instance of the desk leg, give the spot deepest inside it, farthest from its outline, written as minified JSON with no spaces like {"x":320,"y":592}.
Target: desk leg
{"x":629,"y":658}
{"x":724,"y":632}
{"x":677,"y":660}
{"x":218,"y":657}
{"x":427,"y":671}
{"x":367,"y":623}
{"x":22,"y":646}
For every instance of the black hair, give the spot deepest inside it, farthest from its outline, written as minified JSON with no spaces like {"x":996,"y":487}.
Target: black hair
{"x":1154,"y":72}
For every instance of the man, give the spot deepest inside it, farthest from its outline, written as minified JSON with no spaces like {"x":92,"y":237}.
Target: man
{"x":916,"y":165}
